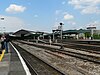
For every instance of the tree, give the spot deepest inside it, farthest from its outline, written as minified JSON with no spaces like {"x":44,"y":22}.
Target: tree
{"x":87,"y":34}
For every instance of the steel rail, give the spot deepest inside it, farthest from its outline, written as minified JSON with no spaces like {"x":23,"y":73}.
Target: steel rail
{"x":91,"y":58}
{"x":25,"y":54}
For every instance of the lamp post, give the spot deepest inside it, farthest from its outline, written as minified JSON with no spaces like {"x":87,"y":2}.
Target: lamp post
{"x":61,"y":30}
{"x":2,"y":28}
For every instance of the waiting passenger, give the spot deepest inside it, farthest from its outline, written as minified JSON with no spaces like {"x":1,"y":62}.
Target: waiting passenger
{"x":2,"y":42}
{"x":6,"y":42}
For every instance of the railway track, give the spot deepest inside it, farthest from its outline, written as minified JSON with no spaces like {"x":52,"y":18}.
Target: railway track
{"x":36,"y":65}
{"x":91,"y":58}
{"x":83,"y":47}
{"x":78,"y":46}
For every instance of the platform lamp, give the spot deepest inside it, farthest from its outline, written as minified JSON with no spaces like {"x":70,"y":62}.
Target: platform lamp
{"x":2,"y":18}
{"x":61,"y":31}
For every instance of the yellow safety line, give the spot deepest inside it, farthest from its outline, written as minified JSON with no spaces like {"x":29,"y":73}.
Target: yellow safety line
{"x":2,"y":55}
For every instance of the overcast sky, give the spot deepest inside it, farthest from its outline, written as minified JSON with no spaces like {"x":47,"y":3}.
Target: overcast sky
{"x":45,"y":15}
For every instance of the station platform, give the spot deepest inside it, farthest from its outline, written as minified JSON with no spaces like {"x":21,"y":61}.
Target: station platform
{"x":11,"y":64}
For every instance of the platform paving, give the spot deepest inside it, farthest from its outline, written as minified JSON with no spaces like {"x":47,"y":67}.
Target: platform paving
{"x":11,"y":64}
{"x":4,"y":64}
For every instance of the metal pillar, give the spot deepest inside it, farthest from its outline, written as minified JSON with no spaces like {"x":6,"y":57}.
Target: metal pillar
{"x":91,"y":34}
{"x":53,"y":37}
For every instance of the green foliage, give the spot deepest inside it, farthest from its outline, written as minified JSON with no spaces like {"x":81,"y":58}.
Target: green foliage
{"x":87,"y":34}
{"x":96,"y":36}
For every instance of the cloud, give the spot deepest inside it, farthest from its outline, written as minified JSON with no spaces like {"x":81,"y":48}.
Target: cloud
{"x":95,"y":23}
{"x":68,"y":17}
{"x":13,"y":8}
{"x":91,"y":10}
{"x":11,"y":23}
{"x":86,"y":6}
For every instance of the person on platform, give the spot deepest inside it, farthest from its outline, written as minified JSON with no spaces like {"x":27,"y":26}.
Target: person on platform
{"x":6,"y":42}
{"x":2,"y":42}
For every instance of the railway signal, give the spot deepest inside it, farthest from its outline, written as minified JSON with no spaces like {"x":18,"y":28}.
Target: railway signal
{"x":61,"y":30}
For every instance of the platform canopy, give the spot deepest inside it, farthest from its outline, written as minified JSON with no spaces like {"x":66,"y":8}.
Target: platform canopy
{"x":27,"y":33}
{"x":75,"y":31}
